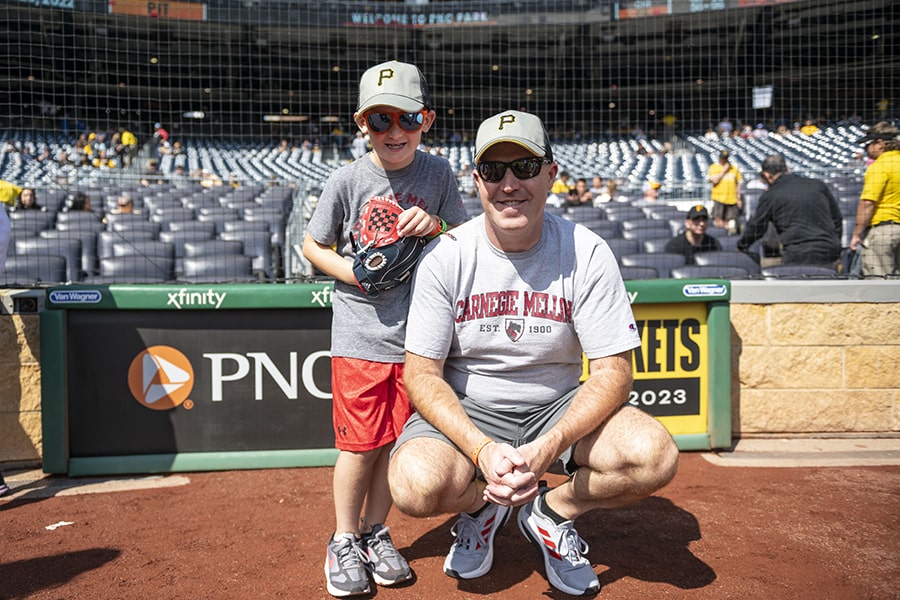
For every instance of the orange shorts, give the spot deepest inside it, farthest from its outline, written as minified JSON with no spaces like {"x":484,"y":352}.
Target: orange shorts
{"x":370,"y":405}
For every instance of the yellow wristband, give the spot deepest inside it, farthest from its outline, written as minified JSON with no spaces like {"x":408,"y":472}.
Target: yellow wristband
{"x":479,"y":448}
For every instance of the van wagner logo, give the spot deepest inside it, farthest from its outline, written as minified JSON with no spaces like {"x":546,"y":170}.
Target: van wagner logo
{"x":161,"y":378}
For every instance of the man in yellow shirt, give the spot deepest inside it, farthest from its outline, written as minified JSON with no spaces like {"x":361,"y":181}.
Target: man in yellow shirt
{"x":877,"y":229}
{"x":726,"y":192}
{"x":9,"y":192}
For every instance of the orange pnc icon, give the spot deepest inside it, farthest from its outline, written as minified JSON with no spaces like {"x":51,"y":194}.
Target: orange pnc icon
{"x":160,"y":377}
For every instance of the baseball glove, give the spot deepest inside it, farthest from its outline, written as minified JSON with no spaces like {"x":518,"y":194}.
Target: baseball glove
{"x":383,"y":259}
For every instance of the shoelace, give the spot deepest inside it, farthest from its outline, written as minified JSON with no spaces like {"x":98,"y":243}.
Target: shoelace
{"x":466,"y":532}
{"x":350,"y":554}
{"x":572,"y":546}
{"x":384,"y":544}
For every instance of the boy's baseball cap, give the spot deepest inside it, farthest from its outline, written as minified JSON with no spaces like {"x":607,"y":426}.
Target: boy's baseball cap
{"x":698,"y":210}
{"x":396,"y":84}
{"x":524,"y":129}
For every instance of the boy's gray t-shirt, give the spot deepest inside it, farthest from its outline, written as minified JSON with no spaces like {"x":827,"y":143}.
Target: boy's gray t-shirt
{"x":512,"y":326}
{"x":374,"y":328}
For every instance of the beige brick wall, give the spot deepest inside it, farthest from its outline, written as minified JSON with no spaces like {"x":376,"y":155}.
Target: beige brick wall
{"x":20,"y":388}
{"x":815,"y":368}
{"x":797,"y":368}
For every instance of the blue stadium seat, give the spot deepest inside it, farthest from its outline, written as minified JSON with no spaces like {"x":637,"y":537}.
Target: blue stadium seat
{"x":726,"y":258}
{"x":33,"y":270}
{"x":639,"y":273}
{"x":663,"y":262}
{"x":68,"y":248}
{"x":709,"y":272}
{"x":799,"y":272}
{"x":235,"y":268}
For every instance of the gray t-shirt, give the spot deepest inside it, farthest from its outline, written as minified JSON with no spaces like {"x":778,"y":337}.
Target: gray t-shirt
{"x":364,"y":327}
{"x":512,"y":326}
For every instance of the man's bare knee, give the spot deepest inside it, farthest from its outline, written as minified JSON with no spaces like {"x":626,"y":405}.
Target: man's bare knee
{"x":422,"y":481}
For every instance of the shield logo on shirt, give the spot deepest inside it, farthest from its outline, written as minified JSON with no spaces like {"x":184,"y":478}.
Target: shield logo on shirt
{"x":515,"y":328}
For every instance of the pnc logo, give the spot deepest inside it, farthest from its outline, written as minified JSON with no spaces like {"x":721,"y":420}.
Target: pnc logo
{"x":160,"y":378}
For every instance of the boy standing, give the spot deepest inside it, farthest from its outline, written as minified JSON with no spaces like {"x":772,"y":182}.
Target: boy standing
{"x":370,"y":401}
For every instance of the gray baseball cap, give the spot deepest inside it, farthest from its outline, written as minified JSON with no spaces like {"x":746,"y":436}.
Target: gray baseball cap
{"x":396,"y":84}
{"x":524,"y":129}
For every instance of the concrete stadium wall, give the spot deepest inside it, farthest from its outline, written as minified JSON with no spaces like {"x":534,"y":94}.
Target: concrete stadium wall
{"x":808,"y":358}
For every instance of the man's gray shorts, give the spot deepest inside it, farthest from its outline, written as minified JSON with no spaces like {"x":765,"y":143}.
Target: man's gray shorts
{"x":516,"y":427}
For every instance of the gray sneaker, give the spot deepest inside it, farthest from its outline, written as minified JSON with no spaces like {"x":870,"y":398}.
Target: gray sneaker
{"x":385,"y":563}
{"x":562,"y":549}
{"x":345,"y":571}
{"x":472,"y":553}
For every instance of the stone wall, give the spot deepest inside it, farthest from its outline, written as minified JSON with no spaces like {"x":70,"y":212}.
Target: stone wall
{"x":20,"y":388}
{"x":807,"y":358}
{"x":815,"y":368}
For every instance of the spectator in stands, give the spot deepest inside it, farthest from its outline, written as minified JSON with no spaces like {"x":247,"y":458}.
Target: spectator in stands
{"x":77,"y":201}
{"x":600,"y":191}
{"x":152,"y":175}
{"x":129,"y":146}
{"x":805,"y":215}
{"x":725,"y":127}
{"x":124,"y":204}
{"x":27,"y":200}
{"x":726,"y":192}
{"x":561,"y":186}
{"x":760,"y":132}
{"x":809,"y":127}
{"x":877,"y":229}
{"x":651,"y":190}
{"x":583,"y":192}
{"x":694,"y":239}
{"x":9,"y":193}
{"x":179,"y":178}
{"x":360,"y":146}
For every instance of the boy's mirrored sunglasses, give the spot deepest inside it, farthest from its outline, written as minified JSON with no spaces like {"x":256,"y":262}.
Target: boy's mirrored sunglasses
{"x":493,"y":171}
{"x":380,"y":122}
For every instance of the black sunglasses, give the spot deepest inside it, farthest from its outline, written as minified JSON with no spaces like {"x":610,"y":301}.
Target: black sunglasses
{"x":493,"y":171}
{"x":380,"y":122}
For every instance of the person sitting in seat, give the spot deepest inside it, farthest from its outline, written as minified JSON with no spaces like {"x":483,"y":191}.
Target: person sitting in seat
{"x":694,"y":239}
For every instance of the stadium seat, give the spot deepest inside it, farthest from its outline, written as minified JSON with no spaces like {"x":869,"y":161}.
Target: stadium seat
{"x":663,"y":262}
{"x":130,"y":226}
{"x":68,"y":248}
{"x":650,"y":230}
{"x":620,"y":247}
{"x":146,"y":248}
{"x":165,"y":215}
{"x":235,"y":268}
{"x":134,"y":267}
{"x":709,"y":272}
{"x":799,"y":272}
{"x":200,"y":228}
{"x":726,"y":258}
{"x":213,"y":247}
{"x":257,"y":245}
{"x":639,"y":272}
{"x":88,"y":241}
{"x":33,"y":270}
{"x":31,"y":219}
{"x":605,"y":229}
{"x":106,"y":239}
{"x":219,"y":216}
{"x":655,"y":244}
